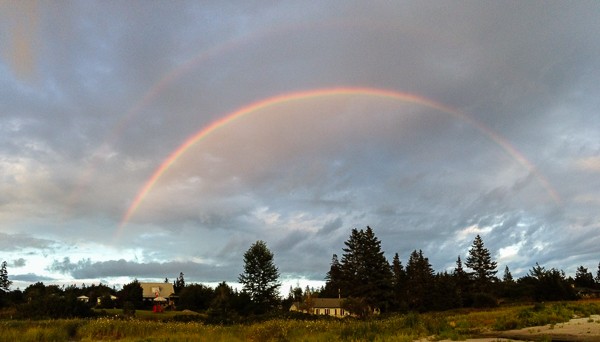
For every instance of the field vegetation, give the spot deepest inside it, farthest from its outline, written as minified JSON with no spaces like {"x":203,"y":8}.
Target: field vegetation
{"x":178,"y":326}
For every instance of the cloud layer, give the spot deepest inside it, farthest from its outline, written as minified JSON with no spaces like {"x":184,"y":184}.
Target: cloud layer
{"x":95,"y":96}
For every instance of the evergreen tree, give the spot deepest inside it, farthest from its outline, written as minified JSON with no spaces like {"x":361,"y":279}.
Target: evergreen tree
{"x":507,"y":278}
{"x":333,"y":279}
{"x":365,"y":271}
{"x":4,"y":281}
{"x":445,"y":294}
{"x":399,"y":283}
{"x":261,"y":277}
{"x":480,"y":261}
{"x":583,"y":278}
{"x":547,"y":284}
{"x":461,"y":279}
{"x":598,"y":276}
{"x":221,"y":310}
{"x":179,"y":284}
{"x":508,"y":288}
{"x":419,"y":281}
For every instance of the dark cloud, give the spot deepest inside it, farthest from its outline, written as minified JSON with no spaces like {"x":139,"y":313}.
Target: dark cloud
{"x":88,"y":269}
{"x":18,"y":263}
{"x":104,"y":92}
{"x":32,"y":278}
{"x":19,"y":242}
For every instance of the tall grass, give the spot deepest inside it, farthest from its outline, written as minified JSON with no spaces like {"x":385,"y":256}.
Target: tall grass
{"x":455,"y":325}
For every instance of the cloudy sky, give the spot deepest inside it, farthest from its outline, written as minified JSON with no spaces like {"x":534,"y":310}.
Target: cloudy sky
{"x":140,"y":139}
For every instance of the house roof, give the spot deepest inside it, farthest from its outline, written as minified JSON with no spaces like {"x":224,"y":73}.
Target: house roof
{"x":327,"y":303}
{"x":153,"y":290}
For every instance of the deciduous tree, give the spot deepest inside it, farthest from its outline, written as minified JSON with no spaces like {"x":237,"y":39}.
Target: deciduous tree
{"x":131,"y":293}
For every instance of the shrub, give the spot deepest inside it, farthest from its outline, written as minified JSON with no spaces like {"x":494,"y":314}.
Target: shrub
{"x":484,"y":300}
{"x":128,"y":309}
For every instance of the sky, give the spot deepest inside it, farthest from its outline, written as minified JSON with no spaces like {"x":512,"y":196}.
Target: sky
{"x":141,"y":139}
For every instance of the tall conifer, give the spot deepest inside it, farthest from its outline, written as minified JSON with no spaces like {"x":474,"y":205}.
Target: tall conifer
{"x":419,"y":282}
{"x":480,"y":261}
{"x":365,"y":271}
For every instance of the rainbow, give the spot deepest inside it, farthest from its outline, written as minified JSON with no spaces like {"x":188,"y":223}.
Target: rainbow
{"x":322,"y":93}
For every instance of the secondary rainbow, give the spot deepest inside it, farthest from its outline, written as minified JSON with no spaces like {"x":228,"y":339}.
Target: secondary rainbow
{"x":328,"y":92}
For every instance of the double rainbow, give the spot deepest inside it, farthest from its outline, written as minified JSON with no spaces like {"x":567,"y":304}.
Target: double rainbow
{"x":324,"y":93}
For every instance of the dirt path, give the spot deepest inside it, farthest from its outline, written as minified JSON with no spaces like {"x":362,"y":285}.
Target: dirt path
{"x":577,"y":329}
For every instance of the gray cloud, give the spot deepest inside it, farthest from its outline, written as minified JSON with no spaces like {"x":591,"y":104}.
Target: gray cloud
{"x":18,"y":263}
{"x":88,"y":269}
{"x":17,"y":242}
{"x":97,"y":95}
{"x":32,"y":278}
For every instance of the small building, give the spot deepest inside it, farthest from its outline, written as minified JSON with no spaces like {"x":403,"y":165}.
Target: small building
{"x":84,"y":299}
{"x":321,"y":306}
{"x":99,"y":299}
{"x":151,"y":291}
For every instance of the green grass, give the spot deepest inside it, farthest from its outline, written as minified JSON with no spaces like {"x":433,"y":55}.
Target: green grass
{"x":178,"y":326}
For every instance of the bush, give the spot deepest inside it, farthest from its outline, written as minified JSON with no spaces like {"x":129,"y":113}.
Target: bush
{"x":484,"y":300}
{"x":128,"y":309}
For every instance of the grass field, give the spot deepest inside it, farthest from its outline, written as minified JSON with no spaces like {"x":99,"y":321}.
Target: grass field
{"x":148,"y":326}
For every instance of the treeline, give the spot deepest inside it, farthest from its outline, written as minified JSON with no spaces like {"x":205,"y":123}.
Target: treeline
{"x":363,"y":276}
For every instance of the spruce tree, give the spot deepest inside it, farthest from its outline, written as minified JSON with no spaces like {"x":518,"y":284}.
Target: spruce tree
{"x":261,"y":277}
{"x":583,"y":278}
{"x":419,"y":281}
{"x":480,"y":261}
{"x":179,"y":284}
{"x":399,"y":282}
{"x":461,"y":279}
{"x":365,"y":271}
{"x":333,"y":279}
{"x":4,"y":281}
{"x":507,"y":278}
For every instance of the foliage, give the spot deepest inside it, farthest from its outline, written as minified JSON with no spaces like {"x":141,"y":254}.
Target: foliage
{"x":221,"y":310}
{"x":462,"y":284}
{"x":419,"y":282}
{"x":455,"y":325}
{"x":128,"y":309}
{"x":480,"y":261}
{"x":484,"y":300}
{"x":132,"y":293}
{"x":399,"y":300}
{"x":333,"y":279}
{"x":583,"y":278}
{"x":179,"y":284}
{"x":543,"y":285}
{"x":260,"y":277}
{"x":357,"y":306}
{"x":53,"y":306}
{"x":365,"y":272}
{"x":196,"y":297}
{"x":4,"y":281}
